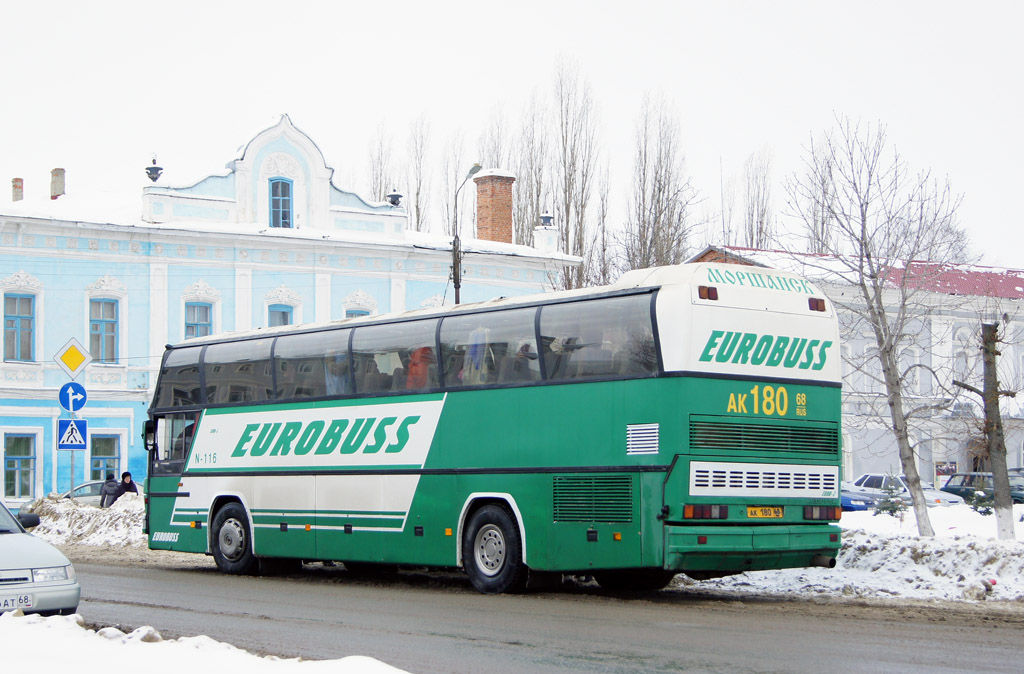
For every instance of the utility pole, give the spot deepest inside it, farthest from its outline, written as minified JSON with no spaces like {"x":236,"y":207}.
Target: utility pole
{"x":457,"y":242}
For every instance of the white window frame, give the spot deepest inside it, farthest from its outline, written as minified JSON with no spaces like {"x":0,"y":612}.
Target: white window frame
{"x":22,"y":283}
{"x":122,"y":448}
{"x":37,"y":448}
{"x":110,"y":288}
{"x":286,"y":296}
{"x":202,"y":292}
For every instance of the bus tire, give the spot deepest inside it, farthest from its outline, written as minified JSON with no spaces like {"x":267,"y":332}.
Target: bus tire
{"x":492,"y":551}
{"x":232,"y":541}
{"x":634,"y":580}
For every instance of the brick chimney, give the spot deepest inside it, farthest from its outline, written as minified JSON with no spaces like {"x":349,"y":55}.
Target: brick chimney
{"x":17,"y":189}
{"x":494,"y":205}
{"x":56,"y":183}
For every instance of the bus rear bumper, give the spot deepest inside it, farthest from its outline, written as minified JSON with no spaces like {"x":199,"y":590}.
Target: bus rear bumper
{"x":735,"y":549}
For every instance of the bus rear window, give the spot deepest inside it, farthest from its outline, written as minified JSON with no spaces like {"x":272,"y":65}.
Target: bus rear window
{"x":610,"y":337}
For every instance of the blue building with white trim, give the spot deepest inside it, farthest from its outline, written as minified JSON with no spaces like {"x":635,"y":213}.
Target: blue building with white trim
{"x":268,"y":241}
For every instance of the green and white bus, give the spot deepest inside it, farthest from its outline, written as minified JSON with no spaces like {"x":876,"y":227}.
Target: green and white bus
{"x":684,"y":419}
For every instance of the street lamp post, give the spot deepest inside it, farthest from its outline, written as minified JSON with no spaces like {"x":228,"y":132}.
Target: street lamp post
{"x":456,"y":242}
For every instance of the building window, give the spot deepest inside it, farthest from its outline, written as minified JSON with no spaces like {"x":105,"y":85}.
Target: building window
{"x":103,"y":330}
{"x":106,"y":457}
{"x":280,"y":202}
{"x":280,"y":314}
{"x":355,"y":313}
{"x":198,"y":319}
{"x":19,"y":465}
{"x":19,"y":319}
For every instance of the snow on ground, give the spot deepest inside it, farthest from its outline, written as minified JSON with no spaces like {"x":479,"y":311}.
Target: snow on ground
{"x":31,"y":640}
{"x":882,"y":557}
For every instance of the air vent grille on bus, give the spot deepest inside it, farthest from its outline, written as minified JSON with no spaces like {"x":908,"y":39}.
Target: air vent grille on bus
{"x":593,"y":498}
{"x":773,"y":480}
{"x":712,"y":435}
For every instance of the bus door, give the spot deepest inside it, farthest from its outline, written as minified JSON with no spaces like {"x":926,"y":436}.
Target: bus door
{"x":169,"y":441}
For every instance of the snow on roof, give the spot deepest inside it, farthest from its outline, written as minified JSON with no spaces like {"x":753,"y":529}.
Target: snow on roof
{"x":952,"y":279}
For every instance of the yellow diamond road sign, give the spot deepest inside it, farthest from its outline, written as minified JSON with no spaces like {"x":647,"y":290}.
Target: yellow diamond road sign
{"x":72,"y":358}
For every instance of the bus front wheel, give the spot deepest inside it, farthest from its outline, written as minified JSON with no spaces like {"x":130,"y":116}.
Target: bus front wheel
{"x":492,"y":551}
{"x":232,"y":540}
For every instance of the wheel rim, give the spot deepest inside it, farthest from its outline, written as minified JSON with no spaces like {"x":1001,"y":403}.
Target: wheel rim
{"x":231,"y":540}
{"x":489,"y":550}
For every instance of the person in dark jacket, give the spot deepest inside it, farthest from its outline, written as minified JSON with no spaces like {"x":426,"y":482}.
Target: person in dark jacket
{"x":109,"y":491}
{"x":126,"y":485}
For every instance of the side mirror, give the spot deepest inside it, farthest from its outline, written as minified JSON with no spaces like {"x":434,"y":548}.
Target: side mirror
{"x":28,"y":520}
{"x":149,"y":435}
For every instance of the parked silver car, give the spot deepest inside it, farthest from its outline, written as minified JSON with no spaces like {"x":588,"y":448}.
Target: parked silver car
{"x":88,"y":493}
{"x":875,"y":484}
{"x":34,"y":576}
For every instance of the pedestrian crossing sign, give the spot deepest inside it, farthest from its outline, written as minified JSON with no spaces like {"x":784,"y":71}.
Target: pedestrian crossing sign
{"x":71,"y":433}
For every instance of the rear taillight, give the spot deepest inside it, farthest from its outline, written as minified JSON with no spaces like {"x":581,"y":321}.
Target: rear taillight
{"x":705,"y":512}
{"x":822,"y":512}
{"x":816,"y":304}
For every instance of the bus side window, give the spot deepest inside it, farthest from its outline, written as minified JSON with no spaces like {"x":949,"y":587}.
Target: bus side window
{"x":394,"y":356}
{"x":481,"y":349}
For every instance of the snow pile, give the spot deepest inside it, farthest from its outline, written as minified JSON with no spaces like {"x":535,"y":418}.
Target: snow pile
{"x":882,"y":556}
{"x":29,"y":640}
{"x":65,"y":521}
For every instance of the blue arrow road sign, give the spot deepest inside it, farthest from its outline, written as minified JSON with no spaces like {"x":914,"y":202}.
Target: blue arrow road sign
{"x":72,"y":396}
{"x":71,"y":433}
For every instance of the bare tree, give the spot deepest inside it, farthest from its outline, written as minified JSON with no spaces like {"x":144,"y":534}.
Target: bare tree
{"x":757,"y":199}
{"x":600,"y":266}
{"x":883,"y":222}
{"x":727,"y":197}
{"x":453,"y":170}
{"x":531,"y":196}
{"x":419,"y":178}
{"x":494,"y":142}
{"x":575,"y":156}
{"x":382,"y":176}
{"x":992,"y":428}
{"x":816,"y":205}
{"x":663,"y":198}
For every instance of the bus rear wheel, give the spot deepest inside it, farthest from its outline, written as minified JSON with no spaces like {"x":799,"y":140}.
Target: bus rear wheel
{"x":232,"y":541}
{"x":492,"y":551}
{"x":634,"y":580}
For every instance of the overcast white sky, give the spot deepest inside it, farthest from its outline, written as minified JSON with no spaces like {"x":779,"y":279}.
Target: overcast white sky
{"x":96,"y":88}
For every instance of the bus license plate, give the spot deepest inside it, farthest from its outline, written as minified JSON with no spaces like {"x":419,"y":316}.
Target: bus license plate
{"x":11,"y":602}
{"x":765,"y":512}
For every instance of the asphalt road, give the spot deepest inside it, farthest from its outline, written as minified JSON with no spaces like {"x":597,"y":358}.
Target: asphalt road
{"x":436,"y":623}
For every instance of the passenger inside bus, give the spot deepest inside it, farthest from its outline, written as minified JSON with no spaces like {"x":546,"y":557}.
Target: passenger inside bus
{"x":420,"y":364}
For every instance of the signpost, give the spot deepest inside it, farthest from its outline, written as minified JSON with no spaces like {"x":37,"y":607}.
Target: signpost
{"x":73,"y":433}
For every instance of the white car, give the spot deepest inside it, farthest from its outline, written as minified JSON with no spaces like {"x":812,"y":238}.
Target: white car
{"x":34,"y":576}
{"x":875,"y":484}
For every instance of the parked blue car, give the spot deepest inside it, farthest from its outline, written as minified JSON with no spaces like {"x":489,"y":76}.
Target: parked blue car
{"x":853,"y":500}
